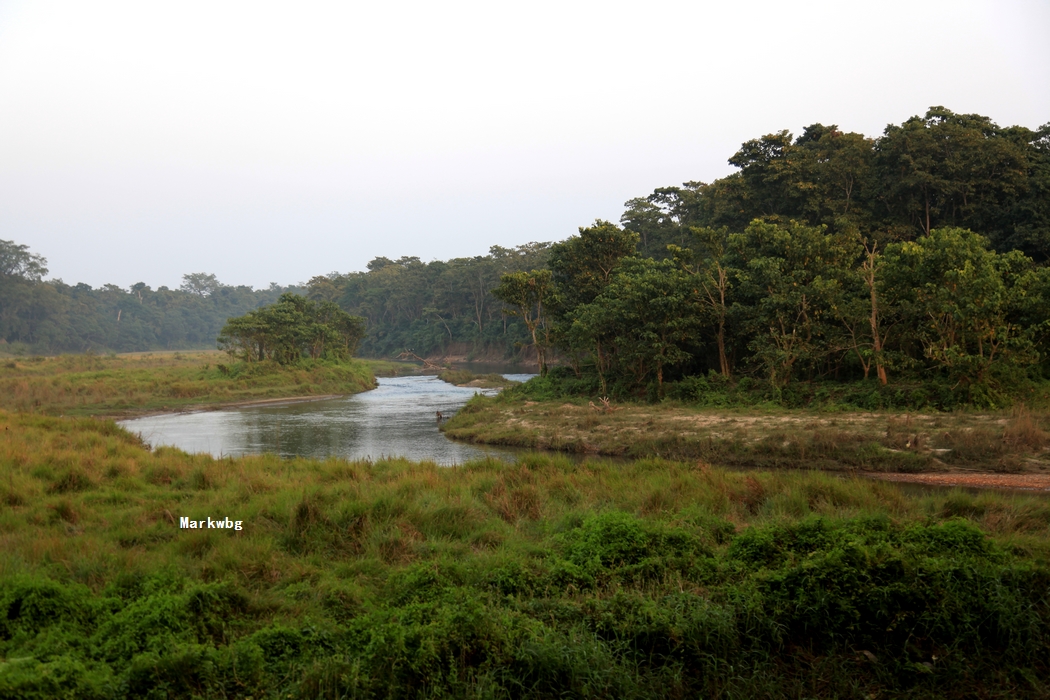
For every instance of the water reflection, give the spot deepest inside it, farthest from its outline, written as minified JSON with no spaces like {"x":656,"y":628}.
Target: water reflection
{"x":396,"y":419}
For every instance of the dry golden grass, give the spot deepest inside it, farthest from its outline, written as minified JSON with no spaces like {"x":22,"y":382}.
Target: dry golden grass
{"x":128,"y":384}
{"x":911,"y":442}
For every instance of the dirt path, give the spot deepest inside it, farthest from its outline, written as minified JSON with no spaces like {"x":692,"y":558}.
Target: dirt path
{"x":1021,"y":482}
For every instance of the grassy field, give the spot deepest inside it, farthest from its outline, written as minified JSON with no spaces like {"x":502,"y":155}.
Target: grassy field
{"x":81,"y":385}
{"x":1010,"y":441}
{"x":545,"y":578}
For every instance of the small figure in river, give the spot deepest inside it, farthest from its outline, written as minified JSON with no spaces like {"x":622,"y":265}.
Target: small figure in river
{"x":440,"y":417}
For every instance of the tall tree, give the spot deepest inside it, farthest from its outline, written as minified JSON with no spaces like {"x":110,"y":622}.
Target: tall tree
{"x":526,"y":295}
{"x":200,"y":283}
{"x":650,"y":310}
{"x":947,"y":169}
{"x":789,"y":274}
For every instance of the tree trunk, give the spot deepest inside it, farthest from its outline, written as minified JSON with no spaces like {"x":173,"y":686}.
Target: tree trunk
{"x":876,"y":334}
{"x":723,"y":361}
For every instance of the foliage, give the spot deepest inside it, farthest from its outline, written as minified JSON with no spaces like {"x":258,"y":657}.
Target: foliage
{"x":916,"y":255}
{"x":526,"y":295}
{"x":788,"y":276}
{"x":939,"y":170}
{"x":436,"y":307}
{"x":543,"y":578}
{"x":53,"y":317}
{"x":292,"y":329}
{"x":641,"y":322}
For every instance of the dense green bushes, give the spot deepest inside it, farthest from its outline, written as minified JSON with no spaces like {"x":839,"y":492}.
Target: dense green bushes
{"x":715,"y":391}
{"x":615,"y":605}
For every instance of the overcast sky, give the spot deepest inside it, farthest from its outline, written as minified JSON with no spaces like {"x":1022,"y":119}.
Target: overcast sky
{"x":271,"y":142}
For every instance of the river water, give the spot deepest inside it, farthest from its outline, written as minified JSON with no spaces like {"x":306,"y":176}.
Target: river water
{"x":398,"y":419}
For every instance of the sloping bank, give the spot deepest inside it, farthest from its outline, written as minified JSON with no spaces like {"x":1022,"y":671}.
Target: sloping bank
{"x":121,"y":386}
{"x":547,"y":578}
{"x":884,"y":442}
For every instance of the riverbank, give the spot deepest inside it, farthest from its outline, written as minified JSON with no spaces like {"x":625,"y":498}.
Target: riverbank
{"x":1013,"y":442}
{"x":122,"y":386}
{"x":468,"y":379}
{"x":644,"y":579}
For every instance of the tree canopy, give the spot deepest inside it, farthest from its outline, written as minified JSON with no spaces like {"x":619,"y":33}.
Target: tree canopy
{"x":292,"y":329}
{"x":916,"y":256}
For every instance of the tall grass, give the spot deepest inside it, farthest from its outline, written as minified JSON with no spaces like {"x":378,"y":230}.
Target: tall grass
{"x":545,"y":578}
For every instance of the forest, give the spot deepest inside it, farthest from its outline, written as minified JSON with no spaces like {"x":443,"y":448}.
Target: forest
{"x":918,"y":256}
{"x":830,"y":255}
{"x":427,"y":308}
{"x":51,"y":317}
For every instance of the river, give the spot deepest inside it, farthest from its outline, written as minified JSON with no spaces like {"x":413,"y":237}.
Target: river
{"x":397,"y":419}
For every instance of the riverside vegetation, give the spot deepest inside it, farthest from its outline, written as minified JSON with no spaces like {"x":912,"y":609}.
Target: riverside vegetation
{"x":849,"y":195}
{"x":127,"y":385}
{"x":544,"y":578}
{"x":292,"y":348}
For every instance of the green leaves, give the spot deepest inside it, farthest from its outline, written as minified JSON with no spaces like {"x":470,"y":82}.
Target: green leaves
{"x":643,"y":321}
{"x":790,"y":276}
{"x":962,"y":302}
{"x":526,"y":295}
{"x":292,"y":328}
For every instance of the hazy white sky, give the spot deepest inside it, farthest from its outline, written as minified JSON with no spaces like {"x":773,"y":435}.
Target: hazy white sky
{"x":268,"y":141}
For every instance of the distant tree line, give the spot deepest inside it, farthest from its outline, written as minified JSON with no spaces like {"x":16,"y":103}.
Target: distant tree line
{"x":918,"y":255}
{"x":47,"y":317}
{"x":430,"y":308}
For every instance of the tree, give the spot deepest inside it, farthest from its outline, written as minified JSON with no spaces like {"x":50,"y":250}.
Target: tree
{"x":962,"y":302}
{"x":861,"y":307}
{"x":526,"y":295}
{"x":17,"y":262}
{"x":789,"y":274}
{"x":200,"y":283}
{"x":649,"y":311}
{"x":292,"y":328}
{"x":20,"y":274}
{"x":947,"y":169}
{"x":582,"y":266}
{"x":713,"y":278}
